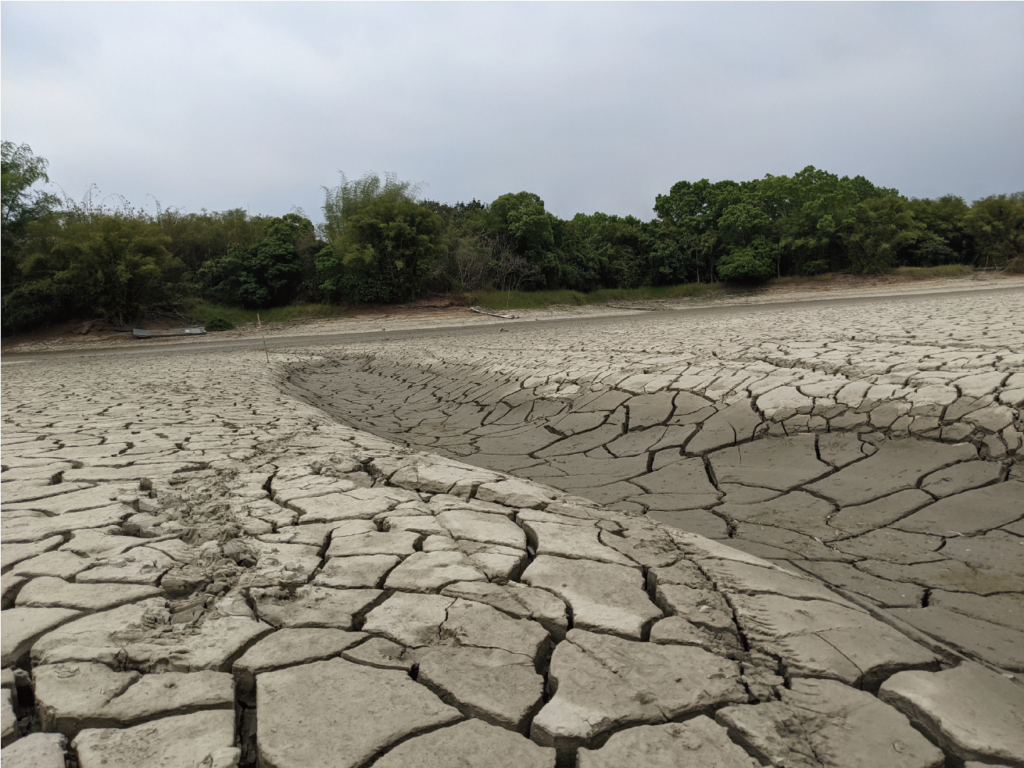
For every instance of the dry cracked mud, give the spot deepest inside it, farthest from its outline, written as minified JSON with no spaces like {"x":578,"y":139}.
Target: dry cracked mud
{"x":786,"y":537}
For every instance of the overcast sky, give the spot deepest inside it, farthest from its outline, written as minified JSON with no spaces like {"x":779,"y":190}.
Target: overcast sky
{"x":593,"y":106}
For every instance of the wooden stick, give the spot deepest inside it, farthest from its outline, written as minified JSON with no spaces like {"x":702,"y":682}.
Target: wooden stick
{"x":264,"y":336}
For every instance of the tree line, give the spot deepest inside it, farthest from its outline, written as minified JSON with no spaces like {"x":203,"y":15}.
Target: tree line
{"x":380,"y":241}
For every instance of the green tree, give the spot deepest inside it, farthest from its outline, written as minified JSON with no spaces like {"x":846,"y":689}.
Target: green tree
{"x":199,"y":237}
{"x":20,"y":172}
{"x":602,"y":250}
{"x":579,"y":257}
{"x":267,"y":273}
{"x":687,"y":243}
{"x":997,"y":225}
{"x":347,"y":199}
{"x":879,"y":228}
{"x":462,"y":260}
{"x":808,"y":211}
{"x":110,"y":267}
{"x":946,"y":241}
{"x":751,"y":263}
{"x":696,"y":206}
{"x":381,"y":241}
{"x":751,"y":255}
{"x":742,"y":222}
{"x":522,"y":217}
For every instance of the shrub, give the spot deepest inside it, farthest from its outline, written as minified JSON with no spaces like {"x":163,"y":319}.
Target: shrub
{"x":746,"y":265}
{"x":267,"y":273}
{"x":219,"y":324}
{"x":382,"y":253}
{"x":106,"y":266}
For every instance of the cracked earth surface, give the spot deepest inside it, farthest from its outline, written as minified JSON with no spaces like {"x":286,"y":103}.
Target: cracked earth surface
{"x":793,"y":537}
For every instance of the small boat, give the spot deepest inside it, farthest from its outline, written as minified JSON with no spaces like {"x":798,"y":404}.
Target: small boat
{"x":482,"y":311}
{"x":144,"y":334}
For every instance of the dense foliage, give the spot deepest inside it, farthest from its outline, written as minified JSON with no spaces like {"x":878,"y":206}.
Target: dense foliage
{"x":267,"y":272}
{"x":379,"y":242}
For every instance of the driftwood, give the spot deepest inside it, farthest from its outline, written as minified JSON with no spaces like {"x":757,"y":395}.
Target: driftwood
{"x":141,"y":333}
{"x":482,"y":311}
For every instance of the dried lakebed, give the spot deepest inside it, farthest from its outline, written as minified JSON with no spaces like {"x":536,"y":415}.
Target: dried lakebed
{"x":203,"y":566}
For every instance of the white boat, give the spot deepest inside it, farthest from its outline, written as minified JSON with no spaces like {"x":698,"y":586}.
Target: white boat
{"x":141,"y":333}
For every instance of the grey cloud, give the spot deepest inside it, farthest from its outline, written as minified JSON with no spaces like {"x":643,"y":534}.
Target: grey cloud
{"x":592,"y":106}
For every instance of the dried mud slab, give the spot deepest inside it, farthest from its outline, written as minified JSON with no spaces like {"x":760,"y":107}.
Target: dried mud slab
{"x":786,"y":535}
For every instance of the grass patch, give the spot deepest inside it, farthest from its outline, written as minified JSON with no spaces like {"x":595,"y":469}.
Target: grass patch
{"x":661,"y":293}
{"x":218,"y":324}
{"x":208,"y":313}
{"x":500,"y":300}
{"x":914,"y":273}
{"x":945,"y":270}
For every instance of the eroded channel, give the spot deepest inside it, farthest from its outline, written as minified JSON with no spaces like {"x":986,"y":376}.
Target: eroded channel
{"x":901,"y":489}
